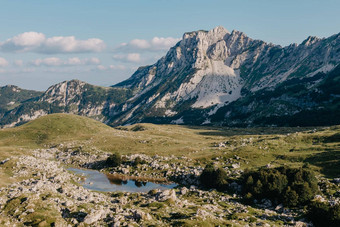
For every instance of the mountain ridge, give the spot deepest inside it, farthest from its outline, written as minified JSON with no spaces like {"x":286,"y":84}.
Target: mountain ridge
{"x":211,"y":77}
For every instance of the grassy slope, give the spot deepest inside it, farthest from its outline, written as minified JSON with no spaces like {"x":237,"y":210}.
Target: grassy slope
{"x":255,"y":147}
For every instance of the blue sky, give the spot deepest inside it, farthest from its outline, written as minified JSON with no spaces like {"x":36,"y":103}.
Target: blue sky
{"x":103,"y":42}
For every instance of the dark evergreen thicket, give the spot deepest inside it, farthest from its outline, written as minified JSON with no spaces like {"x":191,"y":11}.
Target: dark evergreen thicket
{"x":212,"y":177}
{"x":114,"y":160}
{"x":290,"y":186}
{"x":322,"y":214}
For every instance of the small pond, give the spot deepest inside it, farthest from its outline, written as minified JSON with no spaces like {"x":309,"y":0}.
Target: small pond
{"x":95,"y":180}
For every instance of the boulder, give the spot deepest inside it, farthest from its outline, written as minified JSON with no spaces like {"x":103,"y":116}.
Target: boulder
{"x":166,"y":194}
{"x":140,"y":215}
{"x":4,"y":161}
{"x":235,"y":165}
{"x":94,"y":216}
{"x":184,"y":190}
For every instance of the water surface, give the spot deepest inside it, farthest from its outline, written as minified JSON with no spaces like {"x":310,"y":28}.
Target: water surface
{"x":95,"y":180}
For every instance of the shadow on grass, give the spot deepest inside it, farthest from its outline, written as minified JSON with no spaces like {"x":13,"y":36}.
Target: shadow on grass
{"x":332,"y":139}
{"x":328,"y":161}
{"x":227,"y":131}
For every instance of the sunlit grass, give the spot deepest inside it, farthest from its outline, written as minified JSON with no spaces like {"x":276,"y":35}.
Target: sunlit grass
{"x":255,"y":147}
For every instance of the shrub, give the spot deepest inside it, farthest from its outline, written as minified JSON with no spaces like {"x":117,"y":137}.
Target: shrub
{"x":137,"y":128}
{"x":138,"y":161}
{"x":214,"y":178}
{"x":290,"y":198}
{"x":289,"y":186}
{"x":114,"y":160}
{"x":322,"y":214}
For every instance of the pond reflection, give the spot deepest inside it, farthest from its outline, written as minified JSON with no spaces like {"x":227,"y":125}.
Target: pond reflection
{"x":98,"y":181}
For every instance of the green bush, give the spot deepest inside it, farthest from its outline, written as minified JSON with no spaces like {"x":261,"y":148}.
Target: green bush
{"x":214,"y":178}
{"x":114,"y":160}
{"x":289,"y":186}
{"x":138,"y":161}
{"x":322,"y":214}
{"x":137,"y":128}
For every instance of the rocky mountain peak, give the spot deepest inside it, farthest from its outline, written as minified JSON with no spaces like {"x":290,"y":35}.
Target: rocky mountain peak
{"x":12,"y":87}
{"x":212,"y":76}
{"x":310,"y":40}
{"x":209,"y":69}
{"x":64,"y":92}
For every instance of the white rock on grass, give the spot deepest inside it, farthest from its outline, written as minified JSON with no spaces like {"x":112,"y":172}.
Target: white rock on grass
{"x":94,"y":216}
{"x":166,"y":194}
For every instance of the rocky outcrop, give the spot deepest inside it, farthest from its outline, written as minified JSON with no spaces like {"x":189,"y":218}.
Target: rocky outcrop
{"x":76,"y":97}
{"x":224,"y":77}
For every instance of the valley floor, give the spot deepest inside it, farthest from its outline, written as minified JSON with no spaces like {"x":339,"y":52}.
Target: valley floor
{"x":49,"y":194}
{"x":38,"y":190}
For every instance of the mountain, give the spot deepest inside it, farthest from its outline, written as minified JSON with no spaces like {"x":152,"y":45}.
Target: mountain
{"x":76,"y":97}
{"x":230,"y":79}
{"x":212,"y":77}
{"x":12,"y":96}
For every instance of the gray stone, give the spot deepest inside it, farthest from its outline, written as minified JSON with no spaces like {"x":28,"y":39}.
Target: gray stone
{"x":4,"y":161}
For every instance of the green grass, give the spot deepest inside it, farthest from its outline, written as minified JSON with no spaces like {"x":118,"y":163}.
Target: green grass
{"x":277,"y":146}
{"x":44,"y":213}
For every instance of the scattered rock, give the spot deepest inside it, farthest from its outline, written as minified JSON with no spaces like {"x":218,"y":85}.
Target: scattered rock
{"x":184,"y":190}
{"x":166,"y":194}
{"x":31,"y":210}
{"x":236,"y":165}
{"x":138,"y":215}
{"x":94,"y":216}
{"x":4,"y":161}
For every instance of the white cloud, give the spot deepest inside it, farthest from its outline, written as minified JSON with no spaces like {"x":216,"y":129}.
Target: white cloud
{"x":3,"y":62}
{"x":110,"y":67}
{"x":17,"y":70}
{"x":155,"y":44}
{"x":140,"y":43}
{"x":101,"y":67}
{"x":37,"y":42}
{"x":163,"y":43}
{"x":93,"y":61}
{"x":74,"y":61}
{"x":86,"y":61}
{"x":48,"y":62}
{"x":119,"y":67}
{"x":69,"y":44}
{"x":131,"y":57}
{"x":28,"y":70}
{"x":23,"y":42}
{"x":53,"y":61}
{"x":18,"y":63}
{"x":134,"y":57}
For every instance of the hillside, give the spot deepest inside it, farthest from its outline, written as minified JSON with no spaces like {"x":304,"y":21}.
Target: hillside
{"x":12,"y":96}
{"x":76,"y":97}
{"x":319,"y":147}
{"x":37,"y":187}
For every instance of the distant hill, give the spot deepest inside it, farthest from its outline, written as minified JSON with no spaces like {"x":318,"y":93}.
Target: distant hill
{"x":53,"y":127}
{"x":12,"y":96}
{"x":76,"y":97}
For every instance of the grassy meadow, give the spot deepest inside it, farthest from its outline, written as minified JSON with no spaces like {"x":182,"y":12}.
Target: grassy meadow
{"x":254,"y":147}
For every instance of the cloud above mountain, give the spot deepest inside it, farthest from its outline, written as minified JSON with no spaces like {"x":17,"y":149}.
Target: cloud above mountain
{"x":39,"y":43}
{"x":131,"y":57}
{"x":3,"y":62}
{"x":54,"y":61}
{"x":155,"y":44}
